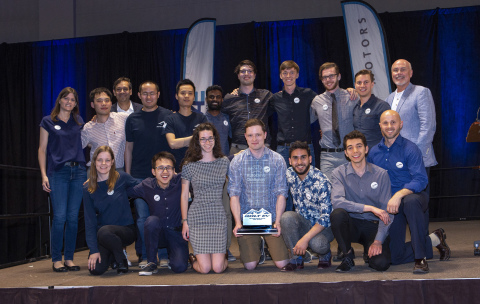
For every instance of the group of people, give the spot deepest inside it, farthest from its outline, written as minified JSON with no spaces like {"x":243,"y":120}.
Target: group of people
{"x":178,"y":167}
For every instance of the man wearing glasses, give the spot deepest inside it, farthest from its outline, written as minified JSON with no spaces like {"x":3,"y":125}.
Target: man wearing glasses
{"x":122,"y":89}
{"x":249,"y":103}
{"x":145,"y":135}
{"x":163,"y":228}
{"x":334,"y":110}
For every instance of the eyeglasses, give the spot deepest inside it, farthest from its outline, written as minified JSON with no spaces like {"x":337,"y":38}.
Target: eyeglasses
{"x":330,"y":77}
{"x":246,"y":71}
{"x":162,"y":168}
{"x":204,"y":140}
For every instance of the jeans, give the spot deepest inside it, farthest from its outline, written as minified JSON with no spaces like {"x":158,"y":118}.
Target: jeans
{"x":285,"y":152}
{"x":294,"y":227}
{"x":331,"y":160}
{"x":159,"y":236}
{"x":66,"y":196}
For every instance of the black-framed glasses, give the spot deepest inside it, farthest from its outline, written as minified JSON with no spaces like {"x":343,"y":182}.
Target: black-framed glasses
{"x":328,"y":77}
{"x":204,"y":140}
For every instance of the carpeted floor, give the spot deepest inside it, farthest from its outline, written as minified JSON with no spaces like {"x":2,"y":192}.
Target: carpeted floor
{"x":460,"y":238}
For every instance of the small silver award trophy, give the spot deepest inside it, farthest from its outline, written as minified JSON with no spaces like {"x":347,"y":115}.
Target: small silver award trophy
{"x":257,"y":222}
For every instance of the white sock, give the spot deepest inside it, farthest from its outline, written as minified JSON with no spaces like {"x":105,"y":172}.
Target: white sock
{"x":435,"y":239}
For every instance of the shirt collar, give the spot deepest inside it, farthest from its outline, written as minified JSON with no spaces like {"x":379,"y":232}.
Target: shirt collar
{"x":350,"y":169}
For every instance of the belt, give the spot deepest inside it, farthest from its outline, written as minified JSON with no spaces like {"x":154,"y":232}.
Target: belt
{"x":332,"y":149}
{"x":72,"y":164}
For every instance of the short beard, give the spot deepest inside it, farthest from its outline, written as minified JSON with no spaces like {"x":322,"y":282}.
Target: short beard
{"x":302,"y":173}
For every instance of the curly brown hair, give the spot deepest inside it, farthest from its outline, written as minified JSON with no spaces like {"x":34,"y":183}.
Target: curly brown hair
{"x":194,"y":151}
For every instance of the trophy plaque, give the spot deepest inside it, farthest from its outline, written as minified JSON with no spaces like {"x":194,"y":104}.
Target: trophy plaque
{"x":257,"y":222}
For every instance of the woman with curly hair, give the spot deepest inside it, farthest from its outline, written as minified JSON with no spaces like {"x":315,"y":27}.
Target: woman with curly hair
{"x":109,"y":225}
{"x":62,"y":165}
{"x":205,"y":167}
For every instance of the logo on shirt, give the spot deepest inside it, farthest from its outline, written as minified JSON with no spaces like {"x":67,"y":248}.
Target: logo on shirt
{"x":296,"y":100}
{"x":162,"y":124}
{"x":374,"y":185}
{"x":399,"y":165}
{"x":156,"y":197}
{"x":266,"y":169}
{"x":325,"y":107}
{"x":110,"y":192}
{"x":225,"y":123}
{"x":257,"y":100}
{"x":367,"y":111}
{"x":57,"y":127}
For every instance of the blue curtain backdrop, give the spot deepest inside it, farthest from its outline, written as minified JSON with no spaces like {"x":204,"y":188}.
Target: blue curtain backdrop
{"x":441,"y":44}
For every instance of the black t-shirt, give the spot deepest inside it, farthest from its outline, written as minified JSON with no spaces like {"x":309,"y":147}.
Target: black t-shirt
{"x":147,"y":132}
{"x":183,"y":126}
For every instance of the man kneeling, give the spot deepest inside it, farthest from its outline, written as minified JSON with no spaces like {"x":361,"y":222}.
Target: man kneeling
{"x":163,"y":228}
{"x":360,"y":193}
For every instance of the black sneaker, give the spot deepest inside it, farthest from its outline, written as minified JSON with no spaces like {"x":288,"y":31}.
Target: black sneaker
{"x":262,"y":251}
{"x":346,"y":265}
{"x":150,"y":269}
{"x":339,"y":256}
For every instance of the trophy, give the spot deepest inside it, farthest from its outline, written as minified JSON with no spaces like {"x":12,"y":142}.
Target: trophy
{"x":257,"y":222}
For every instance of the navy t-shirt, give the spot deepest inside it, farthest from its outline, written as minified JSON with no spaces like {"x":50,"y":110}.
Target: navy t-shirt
{"x":183,"y":126}
{"x":146,"y":131}
{"x":107,"y":208}
{"x":64,"y":142}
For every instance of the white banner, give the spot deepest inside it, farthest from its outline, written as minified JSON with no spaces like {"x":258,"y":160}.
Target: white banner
{"x":198,"y":53}
{"x":366,"y":44}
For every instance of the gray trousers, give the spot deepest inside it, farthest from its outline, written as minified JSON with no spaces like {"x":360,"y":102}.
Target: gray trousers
{"x":294,"y":227}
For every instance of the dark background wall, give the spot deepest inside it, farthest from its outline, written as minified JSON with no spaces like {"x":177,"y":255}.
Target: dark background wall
{"x":441,"y":44}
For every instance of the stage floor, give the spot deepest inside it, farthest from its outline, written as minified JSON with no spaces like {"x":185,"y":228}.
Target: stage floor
{"x":462,"y":264}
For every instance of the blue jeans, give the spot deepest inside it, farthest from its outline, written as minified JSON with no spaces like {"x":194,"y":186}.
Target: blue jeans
{"x":285,"y":151}
{"x":159,"y":236}
{"x":66,"y":196}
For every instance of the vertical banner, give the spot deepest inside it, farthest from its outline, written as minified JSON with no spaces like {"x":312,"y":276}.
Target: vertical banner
{"x":366,"y":44}
{"x":197,"y":60}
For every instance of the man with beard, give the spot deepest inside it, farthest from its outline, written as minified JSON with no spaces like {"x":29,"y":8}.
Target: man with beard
{"x":221,"y":122}
{"x":334,"y":110}
{"x":122,"y":89}
{"x":249,"y":103}
{"x":403,"y":161}
{"x":309,"y":224}
{"x":360,"y":192}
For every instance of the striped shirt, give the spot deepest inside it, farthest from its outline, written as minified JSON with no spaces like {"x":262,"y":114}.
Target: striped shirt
{"x":111,"y":133}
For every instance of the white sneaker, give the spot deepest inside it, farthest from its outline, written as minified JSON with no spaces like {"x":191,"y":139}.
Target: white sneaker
{"x":164,"y":262}
{"x":142,"y":264}
{"x":307,"y":257}
{"x":126,"y":256}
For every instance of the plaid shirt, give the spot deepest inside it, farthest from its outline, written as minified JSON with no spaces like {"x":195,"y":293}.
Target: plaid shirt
{"x":258,"y":182}
{"x":311,"y":196}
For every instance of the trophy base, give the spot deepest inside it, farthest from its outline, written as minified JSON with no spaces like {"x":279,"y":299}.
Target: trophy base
{"x":257,"y":230}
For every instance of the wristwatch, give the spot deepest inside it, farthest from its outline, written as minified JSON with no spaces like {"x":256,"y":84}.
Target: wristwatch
{"x":184,"y":220}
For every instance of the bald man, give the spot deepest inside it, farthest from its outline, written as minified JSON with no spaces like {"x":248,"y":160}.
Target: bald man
{"x":409,"y":203}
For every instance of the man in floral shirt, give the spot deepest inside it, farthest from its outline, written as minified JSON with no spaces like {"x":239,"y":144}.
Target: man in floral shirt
{"x":309,"y":224}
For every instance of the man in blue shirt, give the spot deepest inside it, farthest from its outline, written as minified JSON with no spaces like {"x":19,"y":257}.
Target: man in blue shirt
{"x":163,"y":228}
{"x":309,"y":224}
{"x":403,"y":161}
{"x":179,"y":126}
{"x":257,"y":181}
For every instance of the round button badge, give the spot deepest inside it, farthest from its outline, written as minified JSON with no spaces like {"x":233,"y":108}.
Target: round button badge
{"x":266,"y":169}
{"x":225,"y":123}
{"x":257,"y":100}
{"x":156,"y":197}
{"x":374,"y":185}
{"x":367,"y":111}
{"x":110,"y":192}
{"x":399,"y":165}
{"x":296,"y":100}
{"x":325,"y":107}
{"x":57,"y":127}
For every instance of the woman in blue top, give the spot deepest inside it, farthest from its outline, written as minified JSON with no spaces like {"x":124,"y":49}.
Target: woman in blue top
{"x":109,"y":223}
{"x":62,"y":165}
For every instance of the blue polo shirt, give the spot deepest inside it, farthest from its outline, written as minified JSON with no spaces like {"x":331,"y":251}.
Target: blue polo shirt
{"x":64,"y":142}
{"x":403,"y":162}
{"x":164,"y":203}
{"x":366,"y":119}
{"x":222,"y":124}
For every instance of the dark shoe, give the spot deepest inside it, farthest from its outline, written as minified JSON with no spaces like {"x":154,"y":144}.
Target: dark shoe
{"x":59,"y":269}
{"x":307,"y":257}
{"x":150,"y":269}
{"x":123,"y":266}
{"x":230,"y":256}
{"x":72,"y":268}
{"x":140,"y":259}
{"x":325,"y":261}
{"x":421,"y":266}
{"x":340,"y":255}
{"x":442,"y":247}
{"x":346,"y":265}
{"x":292,"y":266}
{"x":366,"y":259}
{"x":114,"y":265}
{"x":262,"y":252}
{"x":192,"y":259}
